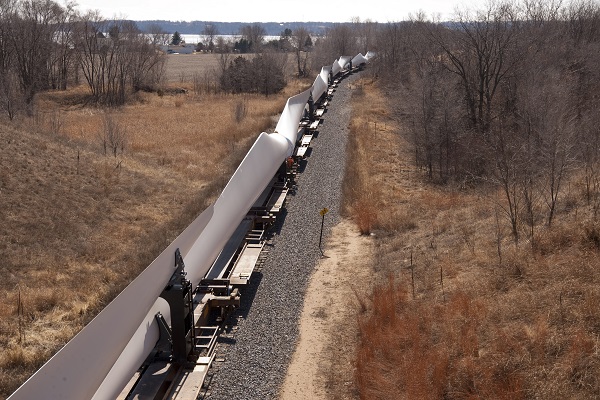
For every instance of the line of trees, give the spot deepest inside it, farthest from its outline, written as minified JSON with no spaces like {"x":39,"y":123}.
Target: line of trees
{"x":265,"y":73}
{"x":44,"y":45}
{"x":47,"y":46}
{"x":506,"y":95}
{"x":347,"y":40}
{"x":118,"y":61}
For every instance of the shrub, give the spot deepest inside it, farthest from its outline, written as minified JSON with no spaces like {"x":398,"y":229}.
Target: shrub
{"x":264,"y":74}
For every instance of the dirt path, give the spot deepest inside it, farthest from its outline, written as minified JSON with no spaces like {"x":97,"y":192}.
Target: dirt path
{"x":321,"y":367}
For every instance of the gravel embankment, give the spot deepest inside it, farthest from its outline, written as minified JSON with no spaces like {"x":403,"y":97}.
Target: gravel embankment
{"x":252,"y":356}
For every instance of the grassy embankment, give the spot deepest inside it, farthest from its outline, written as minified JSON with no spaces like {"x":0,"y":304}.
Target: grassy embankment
{"x":459,"y":310}
{"x":76,"y":224}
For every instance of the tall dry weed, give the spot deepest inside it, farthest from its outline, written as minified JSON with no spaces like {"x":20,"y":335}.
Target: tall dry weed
{"x":515,"y":320}
{"x":362,"y":198}
{"x":411,"y":349}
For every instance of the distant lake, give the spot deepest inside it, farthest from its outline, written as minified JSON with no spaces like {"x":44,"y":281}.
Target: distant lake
{"x":195,"y":39}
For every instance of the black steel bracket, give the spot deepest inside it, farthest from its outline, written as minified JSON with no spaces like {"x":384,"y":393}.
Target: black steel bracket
{"x":165,"y":340}
{"x":179,"y":294}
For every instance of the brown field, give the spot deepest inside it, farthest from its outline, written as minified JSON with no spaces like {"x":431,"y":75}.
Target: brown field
{"x":183,"y":67}
{"x":200,"y":67}
{"x":85,"y":208}
{"x":460,"y":310}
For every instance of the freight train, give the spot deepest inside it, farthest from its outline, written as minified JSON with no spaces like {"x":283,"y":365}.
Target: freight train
{"x":156,"y":338}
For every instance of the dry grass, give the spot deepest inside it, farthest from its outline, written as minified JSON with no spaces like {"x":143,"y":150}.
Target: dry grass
{"x":77,"y":225}
{"x":460,"y":311}
{"x":362,"y":194}
{"x":184,"y":69}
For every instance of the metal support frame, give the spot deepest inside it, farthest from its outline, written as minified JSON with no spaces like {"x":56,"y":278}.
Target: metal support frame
{"x":165,"y":341}
{"x":179,"y":294}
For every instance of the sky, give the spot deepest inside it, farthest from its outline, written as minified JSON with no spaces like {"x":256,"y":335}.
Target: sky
{"x":269,"y":10}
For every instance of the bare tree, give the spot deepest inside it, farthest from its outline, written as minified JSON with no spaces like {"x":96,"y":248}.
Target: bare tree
{"x":124,"y":60}
{"x":158,"y":35}
{"x":222,"y":46}
{"x":300,"y":40}
{"x":507,"y":95}
{"x":113,"y":136}
{"x":33,"y":27}
{"x":590,"y":157}
{"x":11,"y":100}
{"x":390,"y":41}
{"x":583,"y":19}
{"x":8,"y":81}
{"x":254,"y":34}
{"x":342,"y":39}
{"x":146,"y":63}
{"x":7,"y":8}
{"x":366,"y":33}
{"x":506,"y":170}
{"x":558,"y":158}
{"x":481,"y":53}
{"x":63,"y":55}
{"x":89,"y":38}
{"x":223,"y":60}
{"x":210,"y":31}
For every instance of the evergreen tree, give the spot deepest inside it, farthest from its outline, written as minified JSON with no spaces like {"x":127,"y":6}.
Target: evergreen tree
{"x":176,"y":39}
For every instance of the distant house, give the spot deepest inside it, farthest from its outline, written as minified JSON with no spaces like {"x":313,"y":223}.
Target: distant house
{"x":181,"y":49}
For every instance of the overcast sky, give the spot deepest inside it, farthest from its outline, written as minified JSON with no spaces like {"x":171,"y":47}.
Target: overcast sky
{"x":270,"y":10}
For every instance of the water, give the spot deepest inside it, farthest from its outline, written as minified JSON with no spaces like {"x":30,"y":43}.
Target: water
{"x":194,"y":39}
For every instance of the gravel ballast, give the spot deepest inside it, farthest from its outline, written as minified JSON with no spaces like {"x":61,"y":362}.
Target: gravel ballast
{"x":253,"y":354}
